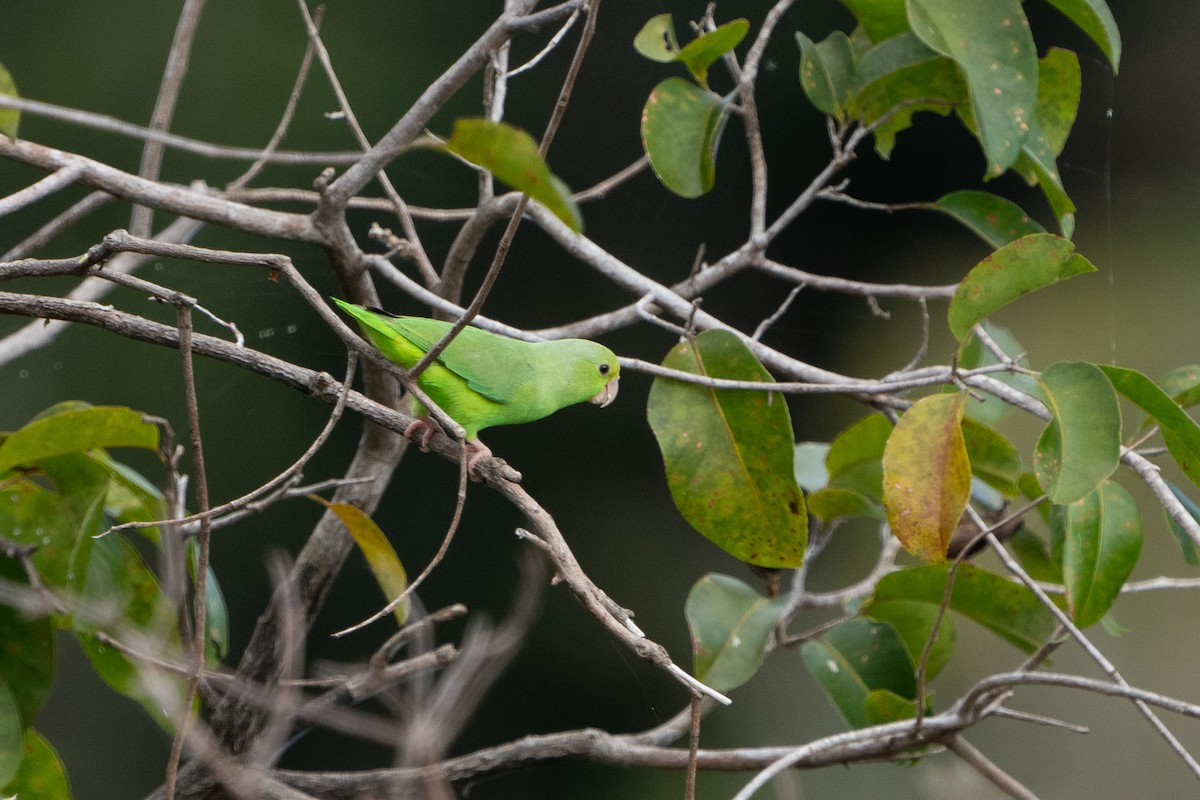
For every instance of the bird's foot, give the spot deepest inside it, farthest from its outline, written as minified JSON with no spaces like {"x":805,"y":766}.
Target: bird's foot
{"x":425,"y":426}
{"x":480,"y":452}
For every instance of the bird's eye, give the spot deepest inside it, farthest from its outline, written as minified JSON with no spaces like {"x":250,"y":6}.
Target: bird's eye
{"x":604,"y":368}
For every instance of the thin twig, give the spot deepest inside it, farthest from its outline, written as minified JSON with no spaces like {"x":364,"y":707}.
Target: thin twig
{"x":41,"y":190}
{"x":288,"y":476}
{"x":971,"y":755}
{"x":1093,"y":652}
{"x":86,"y":119}
{"x":416,"y":250}
{"x":697,"y":707}
{"x":285,"y":120}
{"x":164,"y":105}
{"x":559,"y":35}
{"x":433,"y":563}
{"x":63,"y":222}
{"x":200,"y":605}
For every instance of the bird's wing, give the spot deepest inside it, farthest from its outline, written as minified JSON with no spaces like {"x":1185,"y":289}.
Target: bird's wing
{"x":492,"y":365}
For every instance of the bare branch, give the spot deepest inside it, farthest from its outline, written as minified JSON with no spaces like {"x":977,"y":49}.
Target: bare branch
{"x":176,"y":199}
{"x":86,"y":119}
{"x":40,"y":190}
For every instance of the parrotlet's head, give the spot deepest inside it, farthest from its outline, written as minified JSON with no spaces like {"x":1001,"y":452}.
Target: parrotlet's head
{"x":593,"y":369}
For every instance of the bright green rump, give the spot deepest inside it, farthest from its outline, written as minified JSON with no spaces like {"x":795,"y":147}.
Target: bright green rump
{"x":482,"y":379}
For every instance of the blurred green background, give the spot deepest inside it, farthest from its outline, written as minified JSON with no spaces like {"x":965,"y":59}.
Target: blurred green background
{"x":1131,"y":166}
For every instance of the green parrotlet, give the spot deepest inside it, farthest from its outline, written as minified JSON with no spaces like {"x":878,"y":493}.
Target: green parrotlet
{"x":483,"y":379}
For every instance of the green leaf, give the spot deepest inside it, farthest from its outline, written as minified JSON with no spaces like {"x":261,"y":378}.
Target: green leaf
{"x":656,"y":40}
{"x":927,"y":476}
{"x":881,"y":19}
{"x":512,"y":156}
{"x":10,"y":118}
{"x":83,"y":483}
{"x":40,"y":775}
{"x":827,"y":71}
{"x":1103,"y":540}
{"x":12,"y":734}
{"x":991,"y":42}
{"x":1180,"y":431}
{"x":731,"y":626}
{"x":1004,"y":607}
{"x":75,"y":431}
{"x":729,"y":454}
{"x":700,"y":53}
{"x":994,"y":219}
{"x":1030,"y":263}
{"x":914,"y":621}
{"x":1081,"y":445}
{"x":897,"y":78}
{"x":1096,"y":20}
{"x":381,"y":556}
{"x":993,"y":458}
{"x":1191,"y":554}
{"x":681,"y":127}
{"x":31,"y":515}
{"x":856,"y":658}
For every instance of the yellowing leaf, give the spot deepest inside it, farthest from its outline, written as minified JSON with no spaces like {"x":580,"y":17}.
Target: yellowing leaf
{"x":927,"y":476}
{"x":9,"y":117}
{"x":381,"y":557}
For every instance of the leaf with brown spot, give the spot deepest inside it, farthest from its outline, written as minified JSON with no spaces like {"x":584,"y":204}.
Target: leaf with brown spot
{"x":729,"y":454}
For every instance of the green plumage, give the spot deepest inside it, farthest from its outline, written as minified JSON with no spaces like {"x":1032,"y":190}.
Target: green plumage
{"x":482,"y":379}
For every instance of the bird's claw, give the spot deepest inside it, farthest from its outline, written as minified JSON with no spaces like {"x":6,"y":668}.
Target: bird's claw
{"x":482,"y":451}
{"x":426,"y":426}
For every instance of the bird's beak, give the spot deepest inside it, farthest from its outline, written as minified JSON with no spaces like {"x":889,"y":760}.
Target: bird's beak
{"x":607,"y":394}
